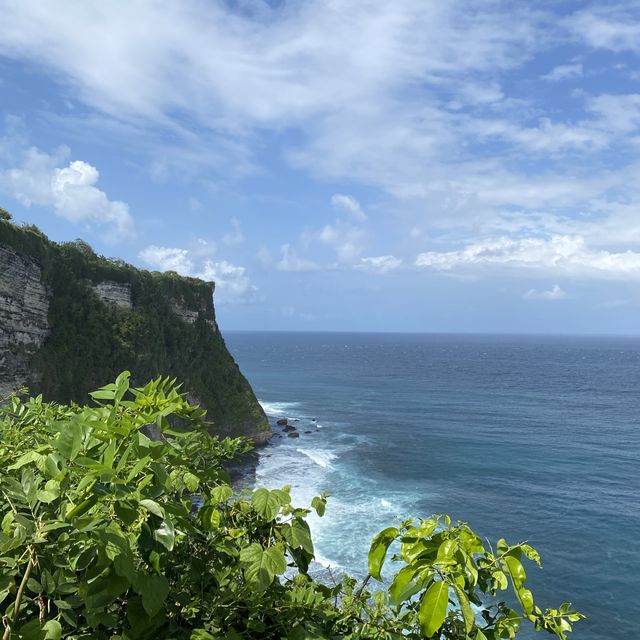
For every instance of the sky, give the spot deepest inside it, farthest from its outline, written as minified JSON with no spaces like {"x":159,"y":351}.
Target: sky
{"x":340,"y":165}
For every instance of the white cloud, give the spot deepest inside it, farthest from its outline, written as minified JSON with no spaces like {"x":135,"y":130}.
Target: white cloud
{"x":216,"y":77}
{"x":232,"y":282}
{"x":69,"y":188}
{"x":411,"y":97}
{"x":560,"y":255}
{"x":379,"y":264}
{"x":345,"y":239}
{"x":613,"y":27}
{"x":290,"y":261}
{"x":564,"y":71}
{"x":168,"y":259}
{"x":555,"y":293}
{"x":350,"y":205}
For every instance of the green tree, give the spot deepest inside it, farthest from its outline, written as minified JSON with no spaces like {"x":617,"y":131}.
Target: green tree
{"x":5,"y":215}
{"x":100,"y":539}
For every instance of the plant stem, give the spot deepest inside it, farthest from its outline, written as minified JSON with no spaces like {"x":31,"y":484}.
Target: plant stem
{"x":358,"y":593}
{"x":16,"y":606}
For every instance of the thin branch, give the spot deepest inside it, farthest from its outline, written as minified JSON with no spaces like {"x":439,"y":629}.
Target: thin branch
{"x":358,"y":593}
{"x":16,"y":607}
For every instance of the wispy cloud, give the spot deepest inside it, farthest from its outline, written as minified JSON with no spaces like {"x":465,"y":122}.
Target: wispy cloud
{"x":555,"y":293}
{"x":379,"y":264}
{"x":350,"y":205}
{"x":568,"y":256}
{"x":564,"y":71}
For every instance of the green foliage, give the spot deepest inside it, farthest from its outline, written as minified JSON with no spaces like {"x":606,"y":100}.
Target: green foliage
{"x":99,"y":540}
{"x":91,"y":342}
{"x":5,"y":215}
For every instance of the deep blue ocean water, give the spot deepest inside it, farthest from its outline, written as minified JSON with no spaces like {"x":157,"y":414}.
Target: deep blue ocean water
{"x":530,"y":438}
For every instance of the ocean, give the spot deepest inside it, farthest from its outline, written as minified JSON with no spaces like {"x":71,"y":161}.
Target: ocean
{"x":526,"y":437}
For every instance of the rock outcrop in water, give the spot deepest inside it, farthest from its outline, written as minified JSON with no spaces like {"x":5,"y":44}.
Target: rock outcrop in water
{"x":70,"y":321}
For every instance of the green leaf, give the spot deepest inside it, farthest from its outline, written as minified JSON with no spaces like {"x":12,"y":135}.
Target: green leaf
{"x":221,"y":493}
{"x":108,"y":392}
{"x":46,"y":496}
{"x":298,"y":535}
{"x":433,"y":607}
{"x":25,"y":458}
{"x":531,"y":553}
{"x":53,"y":630}
{"x":191,"y":481}
{"x":319,"y":504}
{"x":267,"y":503}
{"x":446,"y":550}
{"x":261,"y":566}
{"x":69,"y":441}
{"x":82,"y":508}
{"x":165,"y":534}
{"x":465,"y":607}
{"x":403,"y":586}
{"x":378,"y":550}
{"x":152,"y":507}
{"x":526,"y":599}
{"x":154,"y":591}
{"x":201,"y":634}
{"x":515,"y":570}
{"x":138,"y":467}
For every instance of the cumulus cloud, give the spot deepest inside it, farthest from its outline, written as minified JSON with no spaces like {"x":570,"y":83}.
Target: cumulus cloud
{"x":379,"y":264}
{"x":232,"y":281}
{"x":562,"y":255}
{"x":564,"y":71}
{"x":555,"y":293}
{"x":69,"y":188}
{"x":350,"y":205}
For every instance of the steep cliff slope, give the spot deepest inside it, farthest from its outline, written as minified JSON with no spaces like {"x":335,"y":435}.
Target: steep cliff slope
{"x":71,"y":320}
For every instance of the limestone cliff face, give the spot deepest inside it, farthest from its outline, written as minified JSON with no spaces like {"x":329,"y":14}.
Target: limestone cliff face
{"x":70,"y":321}
{"x":118,"y":293}
{"x":24,"y":304}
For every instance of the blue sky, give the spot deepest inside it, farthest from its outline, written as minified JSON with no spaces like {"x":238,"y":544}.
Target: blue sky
{"x":340,"y":165}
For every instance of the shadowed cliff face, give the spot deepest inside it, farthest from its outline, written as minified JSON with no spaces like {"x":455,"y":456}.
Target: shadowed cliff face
{"x":24,"y":304}
{"x":70,"y":321}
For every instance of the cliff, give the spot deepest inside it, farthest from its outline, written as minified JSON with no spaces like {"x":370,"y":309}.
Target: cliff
{"x":71,"y":320}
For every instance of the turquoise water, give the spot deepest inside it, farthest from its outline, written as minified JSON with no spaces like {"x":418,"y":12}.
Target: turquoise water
{"x":532,"y":438}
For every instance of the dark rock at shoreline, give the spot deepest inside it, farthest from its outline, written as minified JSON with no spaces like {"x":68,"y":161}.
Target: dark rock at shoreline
{"x":289,"y":428}
{"x":308,"y":431}
{"x":282,"y":422}
{"x":293,"y":434}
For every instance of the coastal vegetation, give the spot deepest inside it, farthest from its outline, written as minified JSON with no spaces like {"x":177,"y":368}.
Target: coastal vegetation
{"x":100,"y":538}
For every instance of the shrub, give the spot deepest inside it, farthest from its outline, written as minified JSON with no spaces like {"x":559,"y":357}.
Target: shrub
{"x":100,"y":539}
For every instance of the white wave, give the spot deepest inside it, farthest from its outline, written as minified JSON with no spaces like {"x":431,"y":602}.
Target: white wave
{"x":278,"y":408}
{"x":321,"y":458}
{"x":325,"y":562}
{"x":385,"y":504}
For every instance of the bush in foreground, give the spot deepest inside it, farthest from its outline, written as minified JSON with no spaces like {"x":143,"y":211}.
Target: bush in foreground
{"x":99,"y":539}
